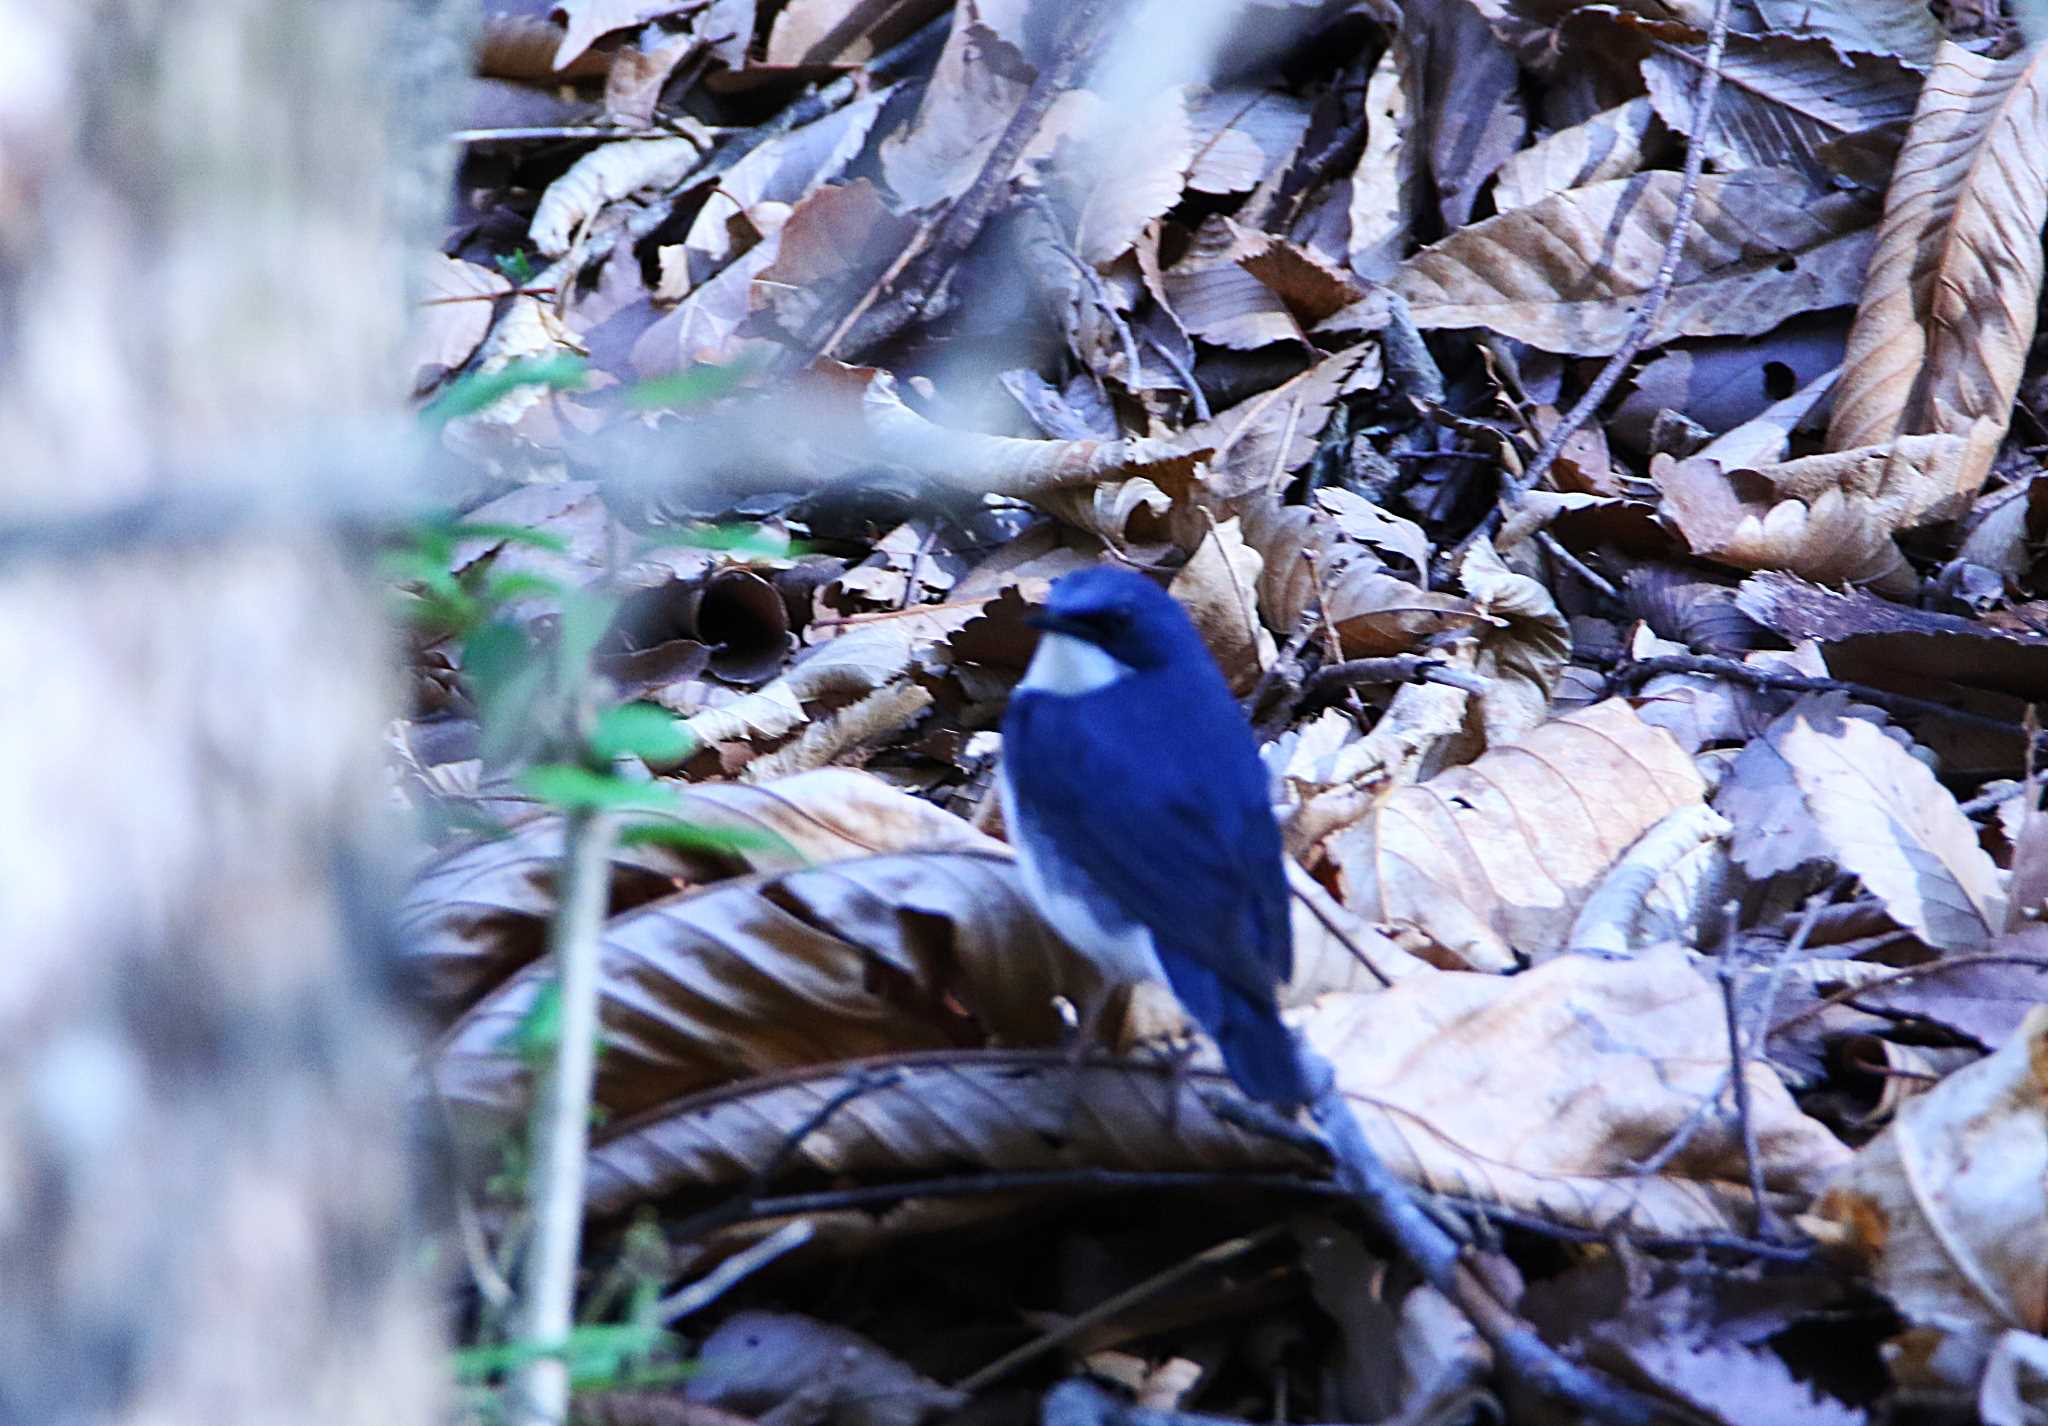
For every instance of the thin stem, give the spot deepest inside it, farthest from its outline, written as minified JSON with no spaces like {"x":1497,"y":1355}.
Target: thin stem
{"x":560,"y":1131}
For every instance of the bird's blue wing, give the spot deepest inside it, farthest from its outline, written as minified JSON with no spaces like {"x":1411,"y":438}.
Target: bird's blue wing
{"x":1153,"y":789}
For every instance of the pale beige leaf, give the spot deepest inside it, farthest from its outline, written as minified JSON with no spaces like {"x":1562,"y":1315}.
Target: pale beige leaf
{"x":1241,"y":134}
{"x":785,"y":169}
{"x":1567,"y":273}
{"x":1541,"y":1092}
{"x":1127,"y":185}
{"x":1269,"y":436}
{"x":841,"y":31}
{"x":1948,"y":311}
{"x":1949,"y":1205}
{"x":1485,"y":860}
{"x":587,"y":20}
{"x":1216,"y":299}
{"x":1906,"y":28}
{"x":1219,"y":588}
{"x":1888,"y":820}
{"x":1784,"y":100}
{"x":456,"y":300}
{"x":604,"y":175}
{"x":980,"y":80}
{"x":1376,"y":614}
{"x":1383,"y":184}
{"x":527,"y":328}
{"x":1608,"y":145}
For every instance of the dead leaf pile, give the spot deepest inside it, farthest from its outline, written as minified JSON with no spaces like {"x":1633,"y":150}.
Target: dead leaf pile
{"x":1663,"y":818}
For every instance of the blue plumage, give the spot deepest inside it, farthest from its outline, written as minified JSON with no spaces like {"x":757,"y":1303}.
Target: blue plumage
{"x":1138,"y":807}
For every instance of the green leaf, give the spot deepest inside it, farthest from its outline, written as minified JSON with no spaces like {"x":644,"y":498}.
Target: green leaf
{"x":642,"y":729}
{"x":578,"y":789}
{"x":470,"y":394}
{"x":597,"y":1353}
{"x":511,"y":535}
{"x":692,"y":386}
{"x":517,"y":266}
{"x":691,"y":836}
{"x":504,"y":588}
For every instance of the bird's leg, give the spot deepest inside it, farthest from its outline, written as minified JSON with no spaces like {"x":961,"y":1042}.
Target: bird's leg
{"x":1086,"y":1024}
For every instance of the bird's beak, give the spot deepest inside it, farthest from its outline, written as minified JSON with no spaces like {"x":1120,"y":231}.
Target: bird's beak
{"x":1046,"y":621}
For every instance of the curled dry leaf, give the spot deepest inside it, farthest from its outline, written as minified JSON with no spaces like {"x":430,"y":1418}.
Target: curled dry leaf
{"x":603,"y":176}
{"x":1949,"y":1206}
{"x":1826,"y":517}
{"x":1483,"y":861}
{"x":478,"y":911}
{"x":1523,"y":646}
{"x":1947,"y":314}
{"x":1608,"y":145}
{"x":1567,"y":272}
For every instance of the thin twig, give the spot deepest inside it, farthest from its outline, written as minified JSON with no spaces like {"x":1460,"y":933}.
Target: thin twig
{"x":1117,"y":1302}
{"x":561,"y":1124}
{"x":1653,"y":300}
{"x":1394,"y":668}
{"x":1683,"y":1135}
{"x":744,"y":1264}
{"x":1847,"y":995}
{"x":1766,"y":1222}
{"x":1186,"y":377}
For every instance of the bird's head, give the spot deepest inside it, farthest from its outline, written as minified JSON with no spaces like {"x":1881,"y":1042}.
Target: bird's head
{"x":1103,"y":624}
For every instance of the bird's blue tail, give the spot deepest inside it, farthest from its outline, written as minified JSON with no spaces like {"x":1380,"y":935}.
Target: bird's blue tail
{"x":1260,"y":1052}
{"x":1258,"y":1048}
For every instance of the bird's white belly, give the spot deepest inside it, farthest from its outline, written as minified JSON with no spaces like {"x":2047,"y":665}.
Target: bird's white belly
{"x":1122,"y":948}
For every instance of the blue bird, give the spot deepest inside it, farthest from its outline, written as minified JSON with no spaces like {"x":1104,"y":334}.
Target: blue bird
{"x":1138,"y":808}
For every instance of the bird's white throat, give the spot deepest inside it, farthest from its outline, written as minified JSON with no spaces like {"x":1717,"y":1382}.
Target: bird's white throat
{"x":1068,"y":667}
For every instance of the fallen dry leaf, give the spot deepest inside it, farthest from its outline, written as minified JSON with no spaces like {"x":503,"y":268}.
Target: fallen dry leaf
{"x":1567,"y":272}
{"x":1481,"y":862}
{"x":1947,"y":313}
